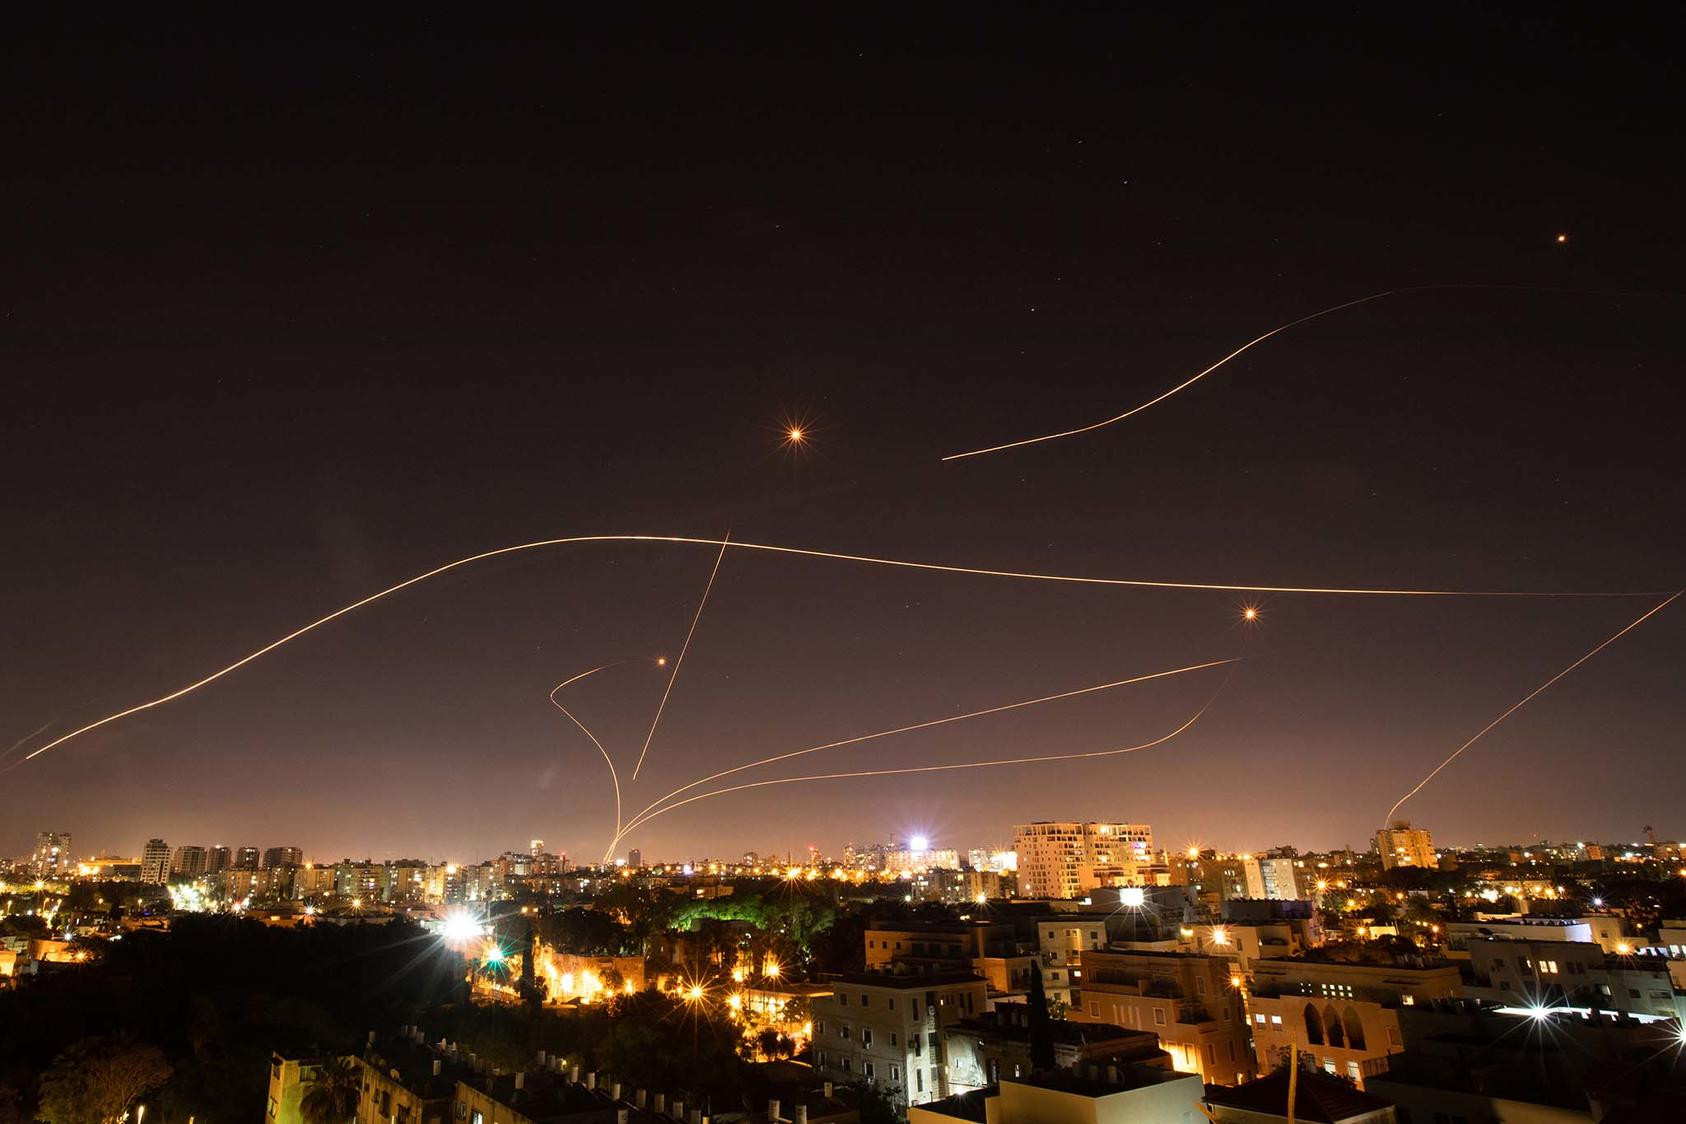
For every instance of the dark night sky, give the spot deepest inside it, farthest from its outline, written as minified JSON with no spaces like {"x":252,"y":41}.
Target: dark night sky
{"x":291,"y":314}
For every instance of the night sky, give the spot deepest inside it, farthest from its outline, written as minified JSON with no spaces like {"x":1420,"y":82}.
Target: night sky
{"x":293,"y":313}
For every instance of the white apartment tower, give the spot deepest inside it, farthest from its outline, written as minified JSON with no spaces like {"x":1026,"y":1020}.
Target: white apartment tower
{"x":1067,"y":860}
{"x":155,"y":862}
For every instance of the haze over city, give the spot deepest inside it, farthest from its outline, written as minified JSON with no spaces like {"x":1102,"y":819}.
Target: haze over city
{"x":283,"y":336}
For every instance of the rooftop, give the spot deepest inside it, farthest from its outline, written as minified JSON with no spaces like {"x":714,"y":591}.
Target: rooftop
{"x":1318,"y":1097}
{"x":909,"y":981}
{"x":963,"y":1106}
{"x":1121,"y":1079}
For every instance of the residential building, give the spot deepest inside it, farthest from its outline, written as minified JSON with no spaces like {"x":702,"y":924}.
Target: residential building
{"x":1066,"y":859}
{"x":220,"y":859}
{"x":1273,"y":877}
{"x":245,"y":858}
{"x":282,"y":856}
{"x":995,"y":1046}
{"x":1468,"y":1060}
{"x":52,"y":857}
{"x":634,"y":858}
{"x":959,"y":886}
{"x":1344,"y":1014}
{"x":359,"y":882}
{"x":936,"y":945}
{"x":190,"y":862}
{"x":1062,"y":940}
{"x":1189,"y":1000}
{"x":886,"y":1030}
{"x":1404,"y":845}
{"x":312,"y":883}
{"x":999,"y":860}
{"x":155,"y":862}
{"x":1127,"y":1094}
{"x":920,"y":860}
{"x":404,"y":881}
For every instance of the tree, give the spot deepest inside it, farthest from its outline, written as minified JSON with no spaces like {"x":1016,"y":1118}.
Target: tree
{"x":96,"y":1080}
{"x":1041,"y":1028}
{"x":333,"y":1092}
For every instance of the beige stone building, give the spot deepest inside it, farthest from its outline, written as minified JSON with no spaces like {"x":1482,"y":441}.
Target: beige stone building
{"x":1066,"y":859}
{"x":1187,"y":999}
{"x":1344,"y":1015}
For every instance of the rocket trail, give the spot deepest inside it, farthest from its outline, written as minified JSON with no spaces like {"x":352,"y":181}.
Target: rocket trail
{"x":934,"y":722}
{"x":772,"y":549}
{"x":1191,"y":380}
{"x":1654,"y":610}
{"x":644,"y":817}
{"x":14,"y":746}
{"x":671,"y":679}
{"x":614,"y":776}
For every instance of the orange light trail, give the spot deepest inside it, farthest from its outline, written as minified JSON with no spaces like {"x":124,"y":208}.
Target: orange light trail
{"x":932,"y":723}
{"x":673,"y":677}
{"x":791,"y":551}
{"x":646,"y":816}
{"x":614,"y":775}
{"x":1191,"y":380}
{"x":1653,"y":611}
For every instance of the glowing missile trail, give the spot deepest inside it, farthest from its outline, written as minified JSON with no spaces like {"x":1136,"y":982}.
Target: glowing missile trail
{"x":14,"y":746}
{"x":1191,"y":380}
{"x":674,"y":676}
{"x":1655,"y":609}
{"x":771,"y":549}
{"x":936,"y":722}
{"x":644,"y":817}
{"x":614,"y":776}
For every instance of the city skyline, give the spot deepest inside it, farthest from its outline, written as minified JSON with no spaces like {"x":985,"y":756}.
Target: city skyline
{"x":481,"y":302}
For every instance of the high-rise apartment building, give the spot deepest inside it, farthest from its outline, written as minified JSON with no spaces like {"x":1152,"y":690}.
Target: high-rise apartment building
{"x":190,"y":861}
{"x":635,"y":858}
{"x":155,"y":862}
{"x":282,"y":856}
{"x":1404,"y":845}
{"x":52,"y":857}
{"x":1067,"y":859}
{"x":246,"y":858}
{"x":221,"y":858}
{"x":1275,"y":878}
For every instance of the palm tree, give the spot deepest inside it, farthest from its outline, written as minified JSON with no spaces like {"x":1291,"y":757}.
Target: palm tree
{"x":333,"y":1092}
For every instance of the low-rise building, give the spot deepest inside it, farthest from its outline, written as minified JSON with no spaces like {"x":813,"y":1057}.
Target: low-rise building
{"x":995,"y":1046}
{"x":1189,"y":1000}
{"x":886,"y":1030}
{"x":1343,"y":1014}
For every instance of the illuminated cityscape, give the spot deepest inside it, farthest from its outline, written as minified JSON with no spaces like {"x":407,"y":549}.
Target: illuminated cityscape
{"x":1004,"y":564}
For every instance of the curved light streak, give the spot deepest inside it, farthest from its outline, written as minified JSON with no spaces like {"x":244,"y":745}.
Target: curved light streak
{"x":614,"y":775}
{"x":1653,"y":611}
{"x":642,"y":818}
{"x":1191,"y":380}
{"x":673,"y":678}
{"x":772,"y":549}
{"x":934,"y":722}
